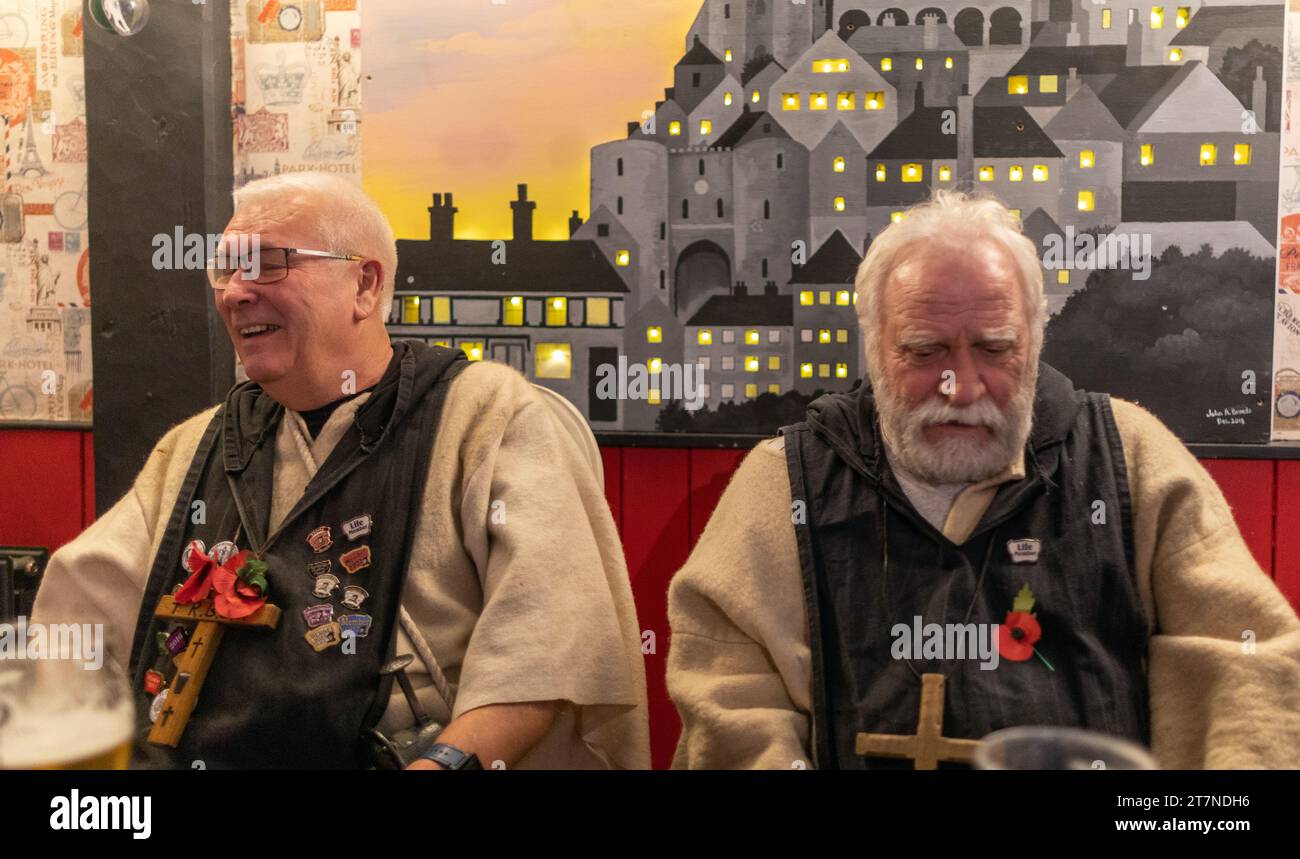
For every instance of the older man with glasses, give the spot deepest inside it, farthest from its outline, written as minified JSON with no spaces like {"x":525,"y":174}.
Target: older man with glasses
{"x":406,"y":558}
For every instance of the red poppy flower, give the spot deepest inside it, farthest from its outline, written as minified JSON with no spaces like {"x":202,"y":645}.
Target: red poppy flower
{"x":235,"y":597}
{"x":1017,"y":636}
{"x":199,"y":584}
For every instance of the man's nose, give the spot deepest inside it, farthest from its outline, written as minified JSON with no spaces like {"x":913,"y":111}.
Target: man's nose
{"x":238,"y":291}
{"x":964,"y":386}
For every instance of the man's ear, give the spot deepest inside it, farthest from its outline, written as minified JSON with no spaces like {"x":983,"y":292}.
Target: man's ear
{"x":370,"y":289}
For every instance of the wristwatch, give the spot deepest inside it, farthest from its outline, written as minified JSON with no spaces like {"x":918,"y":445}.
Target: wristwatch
{"x":452,"y":758}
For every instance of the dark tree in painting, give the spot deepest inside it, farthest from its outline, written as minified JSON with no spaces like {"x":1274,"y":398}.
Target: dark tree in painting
{"x":1238,"y":75}
{"x":1177,"y":343}
{"x":763,"y":415}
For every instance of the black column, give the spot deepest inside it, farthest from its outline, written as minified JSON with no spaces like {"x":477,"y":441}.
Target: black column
{"x":159,"y":134}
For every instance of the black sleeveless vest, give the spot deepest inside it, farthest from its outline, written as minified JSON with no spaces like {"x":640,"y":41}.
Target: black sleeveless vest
{"x":271,"y":699}
{"x":869,"y":561}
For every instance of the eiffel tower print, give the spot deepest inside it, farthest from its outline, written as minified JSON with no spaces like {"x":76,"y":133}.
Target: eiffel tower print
{"x":29,"y":162}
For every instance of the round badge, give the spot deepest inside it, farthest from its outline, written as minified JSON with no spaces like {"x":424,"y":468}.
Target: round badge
{"x":223,"y":551}
{"x":189,"y":552}
{"x":157,"y":706}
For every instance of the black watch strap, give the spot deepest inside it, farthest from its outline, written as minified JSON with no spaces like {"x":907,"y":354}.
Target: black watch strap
{"x":452,"y":758}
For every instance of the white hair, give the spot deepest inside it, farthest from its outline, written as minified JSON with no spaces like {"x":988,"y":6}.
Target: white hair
{"x":954,"y":219}
{"x":343,"y":217}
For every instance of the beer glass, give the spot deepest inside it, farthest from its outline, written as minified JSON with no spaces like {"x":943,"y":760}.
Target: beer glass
{"x":1043,"y":747}
{"x":55,"y":714}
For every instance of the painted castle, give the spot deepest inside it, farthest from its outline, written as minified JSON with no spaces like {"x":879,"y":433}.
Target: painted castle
{"x":726,"y":228}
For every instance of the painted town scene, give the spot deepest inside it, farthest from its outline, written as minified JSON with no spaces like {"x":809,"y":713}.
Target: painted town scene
{"x":701,"y":280}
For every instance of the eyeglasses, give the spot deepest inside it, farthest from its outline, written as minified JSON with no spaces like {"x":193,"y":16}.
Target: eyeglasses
{"x":270,"y":264}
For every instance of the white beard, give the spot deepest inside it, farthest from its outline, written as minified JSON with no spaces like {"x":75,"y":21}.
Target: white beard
{"x":956,"y":460}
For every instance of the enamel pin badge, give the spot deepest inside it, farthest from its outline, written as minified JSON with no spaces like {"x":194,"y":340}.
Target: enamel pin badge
{"x":355,"y":559}
{"x":358,"y":526}
{"x":1024,"y":551}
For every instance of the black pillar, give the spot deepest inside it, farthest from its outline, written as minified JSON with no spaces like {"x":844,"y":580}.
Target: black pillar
{"x":159,"y":135}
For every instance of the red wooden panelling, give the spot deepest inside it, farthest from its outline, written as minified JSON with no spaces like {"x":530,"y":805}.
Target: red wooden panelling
{"x":1247,"y":484}
{"x":1286,"y":564}
{"x":40,"y":487}
{"x":612,"y":460}
{"x":656,"y":540}
{"x":711,"y":471}
{"x":87,"y":479}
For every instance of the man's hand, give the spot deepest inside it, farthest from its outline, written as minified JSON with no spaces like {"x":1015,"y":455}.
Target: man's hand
{"x":497,"y":732}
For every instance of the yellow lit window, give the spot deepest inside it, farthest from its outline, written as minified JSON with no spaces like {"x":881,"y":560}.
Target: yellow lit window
{"x":726,"y":99}
{"x":1040,"y":172}
{"x":1175,"y":55}
{"x":824,"y":370}
{"x":1209,"y":154}
{"x":1241,"y":153}
{"x":806,"y":298}
{"x":705,"y":337}
{"x":751,"y":363}
{"x":706,"y":127}
{"x":410,"y":310}
{"x":1148,"y":155}
{"x":1086,"y":201}
{"x":1087,"y":158}
{"x":790,"y":101}
{"x":446,"y":344}
{"x":839,"y":204}
{"x":623,"y":258}
{"x":824,"y":297}
{"x":880,"y":172}
{"x":1063,"y":276}
{"x":655,"y":365}
{"x":912,"y":173}
{"x":945,"y":174}
{"x":986,"y":174}
{"x":1015,"y":213}
{"x":751,"y":337}
{"x":756,"y":97}
{"x":512,"y":310}
{"x":727,"y":55}
{"x":1016,"y":173}
{"x":841,"y":371}
{"x":839,"y":165}
{"x":751,"y":390}
{"x":473,"y":349}
{"x":1183,"y":15}
{"x":1157,"y":17}
{"x":653,"y":398}
{"x":817,"y":101}
{"x":947,"y":62}
{"x":1047,"y":83}
{"x":774,"y":388}
{"x":675,"y":128}
{"x":842,"y":298}
{"x":1017,"y":84}
{"x":920,"y":64}
{"x":841,"y":335}
{"x":895,"y":217}
{"x":554,"y":361}
{"x":774,"y":362}
{"x":654,"y":334}
{"x":557,"y":311}
{"x":598,"y":311}
{"x":805,"y":371}
{"x":875,"y":100}
{"x":442,"y":311}
{"x":1105,"y":19}
{"x":845,"y":101}
{"x":886,"y":64}
{"x":823,"y":67}
{"x":824,"y":335}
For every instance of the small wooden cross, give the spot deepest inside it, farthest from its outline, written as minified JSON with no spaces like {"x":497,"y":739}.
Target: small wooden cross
{"x":927,"y":746}
{"x":192,"y":664}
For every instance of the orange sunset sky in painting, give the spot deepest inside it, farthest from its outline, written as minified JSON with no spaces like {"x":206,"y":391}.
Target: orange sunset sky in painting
{"x":472,"y":97}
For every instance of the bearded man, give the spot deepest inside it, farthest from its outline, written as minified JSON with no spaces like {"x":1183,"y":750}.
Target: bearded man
{"x":971,"y":487}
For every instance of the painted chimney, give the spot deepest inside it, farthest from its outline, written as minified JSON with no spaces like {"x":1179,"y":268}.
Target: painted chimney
{"x":1072,"y":37}
{"x":1258,"y":97}
{"x":965,"y":135}
{"x":523,"y":209}
{"x":888,"y":20}
{"x":930,"y":33}
{"x":1133,"y":48}
{"x":1072,"y":83}
{"x":442,"y":218}
{"x":575,"y":223}
{"x":919,"y":101}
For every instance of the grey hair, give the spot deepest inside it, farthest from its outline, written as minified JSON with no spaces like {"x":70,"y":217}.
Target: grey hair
{"x":954,"y":218}
{"x":343,"y":217}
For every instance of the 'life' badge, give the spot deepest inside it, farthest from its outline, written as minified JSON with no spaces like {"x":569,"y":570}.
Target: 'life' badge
{"x":1024,"y":551}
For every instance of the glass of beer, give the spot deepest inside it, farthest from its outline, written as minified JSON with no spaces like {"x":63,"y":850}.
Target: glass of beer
{"x":1044,"y":747}
{"x":56,"y":714}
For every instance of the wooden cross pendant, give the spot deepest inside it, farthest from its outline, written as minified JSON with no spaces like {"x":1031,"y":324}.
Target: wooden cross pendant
{"x":927,"y":746}
{"x":193,"y":662}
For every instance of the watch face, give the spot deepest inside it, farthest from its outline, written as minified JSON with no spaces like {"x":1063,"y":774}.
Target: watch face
{"x":1288,"y":405}
{"x":290,"y":18}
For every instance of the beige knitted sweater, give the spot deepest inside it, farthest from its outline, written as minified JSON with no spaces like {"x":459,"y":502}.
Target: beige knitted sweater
{"x":739,"y":662}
